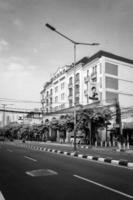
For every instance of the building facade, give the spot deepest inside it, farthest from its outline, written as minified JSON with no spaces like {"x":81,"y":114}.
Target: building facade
{"x":103,"y":78}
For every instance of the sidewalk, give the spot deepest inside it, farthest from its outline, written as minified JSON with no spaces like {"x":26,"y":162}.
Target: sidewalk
{"x":107,"y":152}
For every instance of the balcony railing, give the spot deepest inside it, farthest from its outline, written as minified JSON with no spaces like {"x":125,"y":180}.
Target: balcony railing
{"x":77,"y":92}
{"x":77,"y":81}
{"x":43,"y":100}
{"x":86,"y":79}
{"x":70,"y":85}
{"x":70,"y":96}
{"x":94,"y":74}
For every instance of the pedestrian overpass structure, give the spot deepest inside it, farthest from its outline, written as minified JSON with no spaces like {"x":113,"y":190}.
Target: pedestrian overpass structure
{"x":8,"y":115}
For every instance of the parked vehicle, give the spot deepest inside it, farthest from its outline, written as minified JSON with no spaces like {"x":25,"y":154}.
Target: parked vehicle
{"x":79,"y":140}
{"x":2,"y":138}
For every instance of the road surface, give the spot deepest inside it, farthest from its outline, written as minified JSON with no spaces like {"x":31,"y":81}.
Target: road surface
{"x":26,"y":174}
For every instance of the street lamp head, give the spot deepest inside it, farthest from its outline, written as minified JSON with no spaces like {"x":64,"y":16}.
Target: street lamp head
{"x":50,"y":27}
{"x":94,"y":44}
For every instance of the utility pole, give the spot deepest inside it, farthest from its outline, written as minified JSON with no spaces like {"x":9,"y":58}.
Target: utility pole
{"x":118,"y":121}
{"x":4,"y":108}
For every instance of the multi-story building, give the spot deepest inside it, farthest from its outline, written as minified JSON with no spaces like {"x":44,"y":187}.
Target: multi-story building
{"x":55,"y":93}
{"x":103,"y":78}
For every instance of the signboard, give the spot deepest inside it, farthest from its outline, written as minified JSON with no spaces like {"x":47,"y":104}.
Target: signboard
{"x":116,"y":125}
{"x":93,"y":92}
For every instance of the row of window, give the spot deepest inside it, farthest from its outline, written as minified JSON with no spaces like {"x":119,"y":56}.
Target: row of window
{"x":62,"y":87}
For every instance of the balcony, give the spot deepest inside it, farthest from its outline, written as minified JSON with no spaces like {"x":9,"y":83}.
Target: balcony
{"x":51,"y":94}
{"x":77,"y":93}
{"x":51,"y":109}
{"x":43,"y":100}
{"x":77,"y":81}
{"x":86,"y":79}
{"x":94,"y":75}
{"x":70,"y":85}
{"x":70,"y":96}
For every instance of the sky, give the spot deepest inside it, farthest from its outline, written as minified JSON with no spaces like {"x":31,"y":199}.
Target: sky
{"x":30,"y":53}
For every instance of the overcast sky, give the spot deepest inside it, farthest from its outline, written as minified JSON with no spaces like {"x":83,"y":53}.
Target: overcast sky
{"x":30,"y":53}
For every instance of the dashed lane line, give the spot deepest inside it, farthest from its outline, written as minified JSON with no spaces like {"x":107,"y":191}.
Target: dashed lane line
{"x":10,"y":150}
{"x":30,"y":158}
{"x":1,"y":196}
{"x":104,"y":186}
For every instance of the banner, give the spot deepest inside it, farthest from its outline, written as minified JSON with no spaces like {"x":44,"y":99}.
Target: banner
{"x":93,"y":91}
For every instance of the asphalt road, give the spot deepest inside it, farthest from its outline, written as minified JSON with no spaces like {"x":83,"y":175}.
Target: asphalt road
{"x":62,"y":178}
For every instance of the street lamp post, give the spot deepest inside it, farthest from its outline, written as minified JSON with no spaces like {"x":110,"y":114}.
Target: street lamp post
{"x":74,"y":65}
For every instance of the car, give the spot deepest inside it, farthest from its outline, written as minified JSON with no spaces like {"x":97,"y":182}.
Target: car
{"x":2,"y":138}
{"x":79,"y":139}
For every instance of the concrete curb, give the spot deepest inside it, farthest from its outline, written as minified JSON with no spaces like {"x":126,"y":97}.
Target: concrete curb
{"x":121,"y":162}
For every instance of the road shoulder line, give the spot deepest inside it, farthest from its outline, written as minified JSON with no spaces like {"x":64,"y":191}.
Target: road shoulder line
{"x":104,"y":186}
{"x":106,"y":160}
{"x":30,"y":158}
{"x":1,"y":196}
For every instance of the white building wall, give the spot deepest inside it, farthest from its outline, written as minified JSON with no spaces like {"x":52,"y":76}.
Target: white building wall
{"x":125,"y":82}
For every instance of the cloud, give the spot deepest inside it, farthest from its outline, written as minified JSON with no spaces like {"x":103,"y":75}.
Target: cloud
{"x":35,"y":50}
{"x":3,"y":45}
{"x":4,"y":5}
{"x":18,"y":78}
{"x":15,"y":66}
{"x":18,"y":23}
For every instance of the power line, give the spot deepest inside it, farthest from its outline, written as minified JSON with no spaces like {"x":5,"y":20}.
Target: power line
{"x":19,"y":101}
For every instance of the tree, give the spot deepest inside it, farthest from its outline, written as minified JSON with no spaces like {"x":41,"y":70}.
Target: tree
{"x":96,"y":119}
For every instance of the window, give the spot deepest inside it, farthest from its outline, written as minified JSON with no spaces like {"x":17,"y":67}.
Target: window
{"x":70,"y":92}
{"x":100,"y":94}
{"x":62,"y":96}
{"x":77,"y":100}
{"x":100,"y":82}
{"x":62,"y":106}
{"x":77,"y":89}
{"x":56,"y":89}
{"x":100,"y":68}
{"x":62,"y":85}
{"x":70,"y":80}
{"x":111,"y":68}
{"x":77,"y":76}
{"x":70,"y":103}
{"x":111,"y":83}
{"x":110,"y":96}
{"x":51,"y":91}
{"x":56,"y":108}
{"x":47,"y":102}
{"x":56,"y":99}
{"x":87,"y":73}
{"x":50,"y":100}
{"x":94,"y":70}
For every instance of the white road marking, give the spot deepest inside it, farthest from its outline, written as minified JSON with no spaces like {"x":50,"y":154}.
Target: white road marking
{"x":104,"y":186}
{"x":9,"y":150}
{"x":30,"y":158}
{"x":29,"y":173}
{"x":41,"y":172}
{"x":1,"y":196}
{"x":52,"y":171}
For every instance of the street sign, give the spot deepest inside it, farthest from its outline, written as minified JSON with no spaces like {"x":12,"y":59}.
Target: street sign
{"x":116,"y":125}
